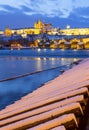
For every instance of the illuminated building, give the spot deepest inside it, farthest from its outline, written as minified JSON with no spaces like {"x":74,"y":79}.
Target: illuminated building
{"x":8,"y":32}
{"x":45,"y":27}
{"x":40,"y":27}
{"x":75,"y":31}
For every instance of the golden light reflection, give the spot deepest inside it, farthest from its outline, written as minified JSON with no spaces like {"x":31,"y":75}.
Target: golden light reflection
{"x":62,"y":59}
{"x":39,"y":64}
{"x":75,"y":59}
{"x":52,"y":58}
{"x":38,"y":58}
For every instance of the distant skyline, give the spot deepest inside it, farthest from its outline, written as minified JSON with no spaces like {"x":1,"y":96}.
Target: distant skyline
{"x":23,"y":13}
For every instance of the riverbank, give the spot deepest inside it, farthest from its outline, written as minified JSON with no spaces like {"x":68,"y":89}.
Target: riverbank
{"x":61,"y":101}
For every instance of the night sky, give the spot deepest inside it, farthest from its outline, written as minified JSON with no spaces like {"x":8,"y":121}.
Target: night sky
{"x":23,"y":13}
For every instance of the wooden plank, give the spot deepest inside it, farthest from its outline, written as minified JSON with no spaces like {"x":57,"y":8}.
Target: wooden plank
{"x":63,"y":120}
{"x":36,"y":92}
{"x":45,"y":98}
{"x":44,"y":102}
{"x":29,"y":123}
{"x":56,"y":128}
{"x":25,"y":115}
{"x":62,"y":90}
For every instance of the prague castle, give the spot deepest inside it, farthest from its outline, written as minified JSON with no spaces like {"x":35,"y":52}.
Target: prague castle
{"x":40,"y":27}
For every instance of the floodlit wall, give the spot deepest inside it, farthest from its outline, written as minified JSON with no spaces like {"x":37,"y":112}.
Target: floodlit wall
{"x":75,"y":31}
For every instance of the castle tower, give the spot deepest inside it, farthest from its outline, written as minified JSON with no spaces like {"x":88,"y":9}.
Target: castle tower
{"x":40,"y":24}
{"x":8,"y":32}
{"x":35,"y":24}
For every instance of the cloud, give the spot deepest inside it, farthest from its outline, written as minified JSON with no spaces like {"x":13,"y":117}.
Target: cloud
{"x":3,"y":9}
{"x":51,"y":8}
{"x":14,"y":3}
{"x":48,"y":8}
{"x":81,"y":3}
{"x":80,"y":13}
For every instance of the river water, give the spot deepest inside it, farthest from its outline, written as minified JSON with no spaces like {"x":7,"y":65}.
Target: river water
{"x":16,"y":63}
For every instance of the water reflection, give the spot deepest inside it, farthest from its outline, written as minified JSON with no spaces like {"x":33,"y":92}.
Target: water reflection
{"x":75,"y":59}
{"x":14,"y":66}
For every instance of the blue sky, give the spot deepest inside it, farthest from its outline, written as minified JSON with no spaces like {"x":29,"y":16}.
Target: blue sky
{"x":22,"y":13}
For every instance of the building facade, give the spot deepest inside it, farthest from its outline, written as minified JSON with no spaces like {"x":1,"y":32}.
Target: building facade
{"x":75,"y":31}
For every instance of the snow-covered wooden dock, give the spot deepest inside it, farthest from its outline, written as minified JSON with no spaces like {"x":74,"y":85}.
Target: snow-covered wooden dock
{"x":57,"y":105}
